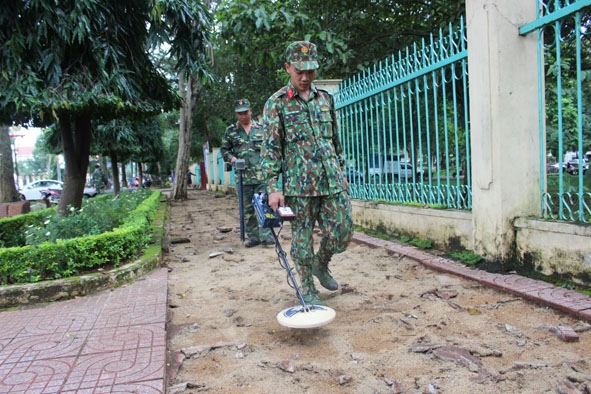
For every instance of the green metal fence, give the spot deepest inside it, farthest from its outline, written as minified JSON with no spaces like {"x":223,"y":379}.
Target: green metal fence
{"x":404,"y":125}
{"x":563,"y":31}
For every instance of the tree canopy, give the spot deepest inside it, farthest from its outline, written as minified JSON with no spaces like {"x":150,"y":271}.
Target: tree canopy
{"x":78,"y":63}
{"x":351,"y":36}
{"x":75,"y":61}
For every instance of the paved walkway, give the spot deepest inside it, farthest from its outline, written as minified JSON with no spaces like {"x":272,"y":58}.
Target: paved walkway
{"x":115,"y":341}
{"x":110,"y":342}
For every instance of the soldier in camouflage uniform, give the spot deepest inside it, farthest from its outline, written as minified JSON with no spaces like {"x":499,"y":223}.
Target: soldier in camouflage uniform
{"x":242,"y":140}
{"x":99,"y":179}
{"x":301,"y":143}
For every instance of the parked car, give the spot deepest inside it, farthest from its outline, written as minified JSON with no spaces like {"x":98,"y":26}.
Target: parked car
{"x":401,"y":170}
{"x":354,"y":176}
{"x":553,"y":168}
{"x":392,"y":166}
{"x":32,"y":191}
{"x":572,"y":167}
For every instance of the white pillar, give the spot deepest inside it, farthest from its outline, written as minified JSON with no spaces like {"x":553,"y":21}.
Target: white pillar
{"x":504,"y":121}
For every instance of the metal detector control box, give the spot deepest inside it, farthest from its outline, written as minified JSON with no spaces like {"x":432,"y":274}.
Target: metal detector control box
{"x":239,"y":164}
{"x":266,"y":216}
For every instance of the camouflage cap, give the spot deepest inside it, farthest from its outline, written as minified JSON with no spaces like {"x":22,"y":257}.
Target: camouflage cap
{"x":241,"y":105}
{"x":303,"y":55}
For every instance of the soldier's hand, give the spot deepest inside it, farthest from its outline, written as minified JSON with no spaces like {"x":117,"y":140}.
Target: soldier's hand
{"x":276,"y":200}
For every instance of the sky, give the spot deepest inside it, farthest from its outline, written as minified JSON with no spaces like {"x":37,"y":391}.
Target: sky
{"x":26,"y":136}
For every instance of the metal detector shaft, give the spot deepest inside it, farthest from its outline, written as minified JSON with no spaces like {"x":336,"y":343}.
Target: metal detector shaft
{"x":241,"y":205}
{"x":283,"y":256}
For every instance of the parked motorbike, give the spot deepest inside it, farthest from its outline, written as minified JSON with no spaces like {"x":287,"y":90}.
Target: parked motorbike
{"x":51,"y":196}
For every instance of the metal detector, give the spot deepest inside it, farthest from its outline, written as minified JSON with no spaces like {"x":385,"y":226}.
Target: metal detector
{"x":299,"y":316}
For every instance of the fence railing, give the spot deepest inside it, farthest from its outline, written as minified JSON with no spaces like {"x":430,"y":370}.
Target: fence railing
{"x":563,"y":31}
{"x":405,"y":127}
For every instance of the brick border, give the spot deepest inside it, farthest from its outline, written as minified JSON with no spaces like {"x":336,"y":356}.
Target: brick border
{"x":564,"y":300}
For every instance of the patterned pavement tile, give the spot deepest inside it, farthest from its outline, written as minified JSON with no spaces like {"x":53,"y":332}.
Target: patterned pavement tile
{"x":42,"y":347}
{"x":441,"y":264}
{"x":4,"y":343}
{"x":116,"y":368}
{"x":565,"y":298}
{"x":129,"y":295}
{"x":60,"y":321}
{"x":132,"y":314}
{"x":520,"y":284}
{"x":36,"y":376}
{"x":148,"y":387}
{"x":125,"y":338}
{"x":13,"y":322}
{"x":480,"y":276}
{"x":110,"y":342}
{"x":94,"y":302}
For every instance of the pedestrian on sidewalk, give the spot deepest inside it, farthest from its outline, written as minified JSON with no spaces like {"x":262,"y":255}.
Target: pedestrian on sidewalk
{"x":189,"y":180}
{"x":301,"y":144}
{"x":242,"y":140}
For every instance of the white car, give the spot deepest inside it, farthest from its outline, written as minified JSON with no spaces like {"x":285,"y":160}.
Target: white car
{"x":32,"y":191}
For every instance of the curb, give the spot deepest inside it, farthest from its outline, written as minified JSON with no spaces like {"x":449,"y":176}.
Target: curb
{"x":559,"y":298}
{"x":65,"y":289}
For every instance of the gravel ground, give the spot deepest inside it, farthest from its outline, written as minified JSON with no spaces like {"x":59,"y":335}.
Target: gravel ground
{"x":399,"y":327}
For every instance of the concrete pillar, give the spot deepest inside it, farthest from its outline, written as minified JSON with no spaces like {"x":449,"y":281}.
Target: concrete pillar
{"x":504,"y":121}
{"x":331,"y":85}
{"x":215,"y":170}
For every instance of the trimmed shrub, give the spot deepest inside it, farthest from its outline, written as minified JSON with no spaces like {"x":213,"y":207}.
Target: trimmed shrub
{"x":66,"y":257}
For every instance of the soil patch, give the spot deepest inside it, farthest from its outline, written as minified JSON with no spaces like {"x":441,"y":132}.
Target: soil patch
{"x":399,"y":328}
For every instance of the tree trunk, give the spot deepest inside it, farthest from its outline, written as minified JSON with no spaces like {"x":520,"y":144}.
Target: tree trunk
{"x":115,"y":172}
{"x":76,"y":137}
{"x":140,"y":173}
{"x":160,"y":177}
{"x":8,"y":192}
{"x":190,"y":90}
{"x":49,"y":167}
{"x":124,"y":176}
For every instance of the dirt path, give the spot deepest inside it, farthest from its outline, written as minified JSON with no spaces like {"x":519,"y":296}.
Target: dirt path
{"x":399,"y":328}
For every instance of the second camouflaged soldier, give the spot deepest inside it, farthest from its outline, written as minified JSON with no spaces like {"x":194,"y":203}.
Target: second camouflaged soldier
{"x":242,"y":140}
{"x":99,"y":179}
{"x":302,"y":143}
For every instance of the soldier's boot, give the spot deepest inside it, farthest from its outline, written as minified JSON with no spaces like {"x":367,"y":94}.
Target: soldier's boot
{"x":321,"y":271}
{"x":309,"y":292}
{"x":267,"y":238}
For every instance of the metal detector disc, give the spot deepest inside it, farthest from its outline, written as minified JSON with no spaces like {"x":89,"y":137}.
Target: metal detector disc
{"x":313,"y":316}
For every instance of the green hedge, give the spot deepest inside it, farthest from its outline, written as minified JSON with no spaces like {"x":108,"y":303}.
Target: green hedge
{"x":11,"y":228}
{"x":69,"y":257}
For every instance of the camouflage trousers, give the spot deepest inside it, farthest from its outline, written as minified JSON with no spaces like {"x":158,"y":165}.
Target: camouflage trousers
{"x":251,"y":223}
{"x":333,"y":215}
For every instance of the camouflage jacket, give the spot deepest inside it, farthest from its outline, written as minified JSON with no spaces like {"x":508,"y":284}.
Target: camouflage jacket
{"x":98,"y":178}
{"x":236,"y":143}
{"x":301,"y":142}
